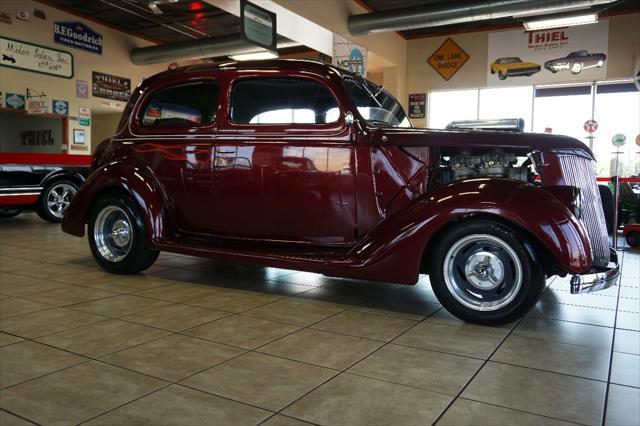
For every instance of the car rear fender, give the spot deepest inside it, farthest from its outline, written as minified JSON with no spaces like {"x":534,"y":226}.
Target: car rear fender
{"x":125,"y":178}
{"x":393,"y":251}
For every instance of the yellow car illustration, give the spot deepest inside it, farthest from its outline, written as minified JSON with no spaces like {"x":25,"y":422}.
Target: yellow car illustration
{"x":513,"y":66}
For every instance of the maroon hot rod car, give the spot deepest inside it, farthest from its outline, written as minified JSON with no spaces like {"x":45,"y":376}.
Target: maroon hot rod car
{"x":300,"y":165}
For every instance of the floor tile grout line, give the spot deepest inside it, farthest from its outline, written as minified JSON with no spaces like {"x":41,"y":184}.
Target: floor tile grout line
{"x":485,"y":362}
{"x":613,"y":342}
{"x":518,"y":409}
{"x":19,"y":416}
{"x":344,"y":371}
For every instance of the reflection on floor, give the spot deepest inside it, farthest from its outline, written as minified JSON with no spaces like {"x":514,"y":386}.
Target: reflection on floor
{"x":197,"y":342}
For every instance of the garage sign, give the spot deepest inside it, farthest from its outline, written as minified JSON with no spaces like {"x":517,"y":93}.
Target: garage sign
{"x":33,"y":57}
{"x":448,"y":59}
{"x":78,"y":35}
{"x":590,"y":126}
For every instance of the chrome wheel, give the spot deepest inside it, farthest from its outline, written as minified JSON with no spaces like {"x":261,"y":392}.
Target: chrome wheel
{"x":59,"y":197}
{"x":482,"y":272}
{"x":576,"y":68}
{"x":113,"y":233}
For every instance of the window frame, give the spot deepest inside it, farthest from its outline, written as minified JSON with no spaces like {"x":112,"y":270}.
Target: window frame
{"x":138,"y":129}
{"x":270,"y":128}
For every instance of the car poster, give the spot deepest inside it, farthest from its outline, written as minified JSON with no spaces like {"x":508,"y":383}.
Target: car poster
{"x":520,"y":57}
{"x":110,"y":86}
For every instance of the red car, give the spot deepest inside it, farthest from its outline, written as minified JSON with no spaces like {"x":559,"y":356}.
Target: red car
{"x":300,"y":165}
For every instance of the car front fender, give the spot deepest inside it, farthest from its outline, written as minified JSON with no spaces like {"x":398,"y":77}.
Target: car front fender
{"x":122,"y":177}
{"x":394,"y":249}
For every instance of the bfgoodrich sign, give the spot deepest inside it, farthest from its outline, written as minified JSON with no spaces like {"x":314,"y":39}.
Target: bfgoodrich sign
{"x":78,"y":35}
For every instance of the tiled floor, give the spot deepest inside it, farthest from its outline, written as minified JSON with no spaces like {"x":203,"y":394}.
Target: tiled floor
{"x":195,"y":342}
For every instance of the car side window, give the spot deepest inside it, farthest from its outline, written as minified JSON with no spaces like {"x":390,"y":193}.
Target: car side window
{"x":282,"y":101}
{"x":184,"y":105}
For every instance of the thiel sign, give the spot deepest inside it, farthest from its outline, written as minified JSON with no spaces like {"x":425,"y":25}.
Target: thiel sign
{"x":78,"y":35}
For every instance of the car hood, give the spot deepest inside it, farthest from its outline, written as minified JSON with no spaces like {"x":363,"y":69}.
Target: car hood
{"x":478,"y":139}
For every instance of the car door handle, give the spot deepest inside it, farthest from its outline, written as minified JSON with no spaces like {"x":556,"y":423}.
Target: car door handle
{"x":225,"y":151}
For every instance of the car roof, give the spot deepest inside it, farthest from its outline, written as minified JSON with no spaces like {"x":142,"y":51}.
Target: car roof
{"x":270,"y":64}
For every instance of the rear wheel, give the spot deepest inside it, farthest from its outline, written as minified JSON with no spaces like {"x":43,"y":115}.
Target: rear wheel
{"x":55,"y":200}
{"x":606,"y":196}
{"x":117,"y":236}
{"x":482,"y":273}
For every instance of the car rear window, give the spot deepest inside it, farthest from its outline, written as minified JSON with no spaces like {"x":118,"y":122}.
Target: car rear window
{"x":282,"y":101}
{"x":183,"y":105}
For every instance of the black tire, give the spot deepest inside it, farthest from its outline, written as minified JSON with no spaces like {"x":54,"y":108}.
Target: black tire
{"x":7,"y":212}
{"x":130,"y":258}
{"x":633,"y":239}
{"x":60,"y":187}
{"x":606,"y":196}
{"x":517,"y":288}
{"x":501,"y":76}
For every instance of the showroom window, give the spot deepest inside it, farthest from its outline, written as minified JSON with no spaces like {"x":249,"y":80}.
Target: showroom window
{"x":184,"y":105}
{"x":282,"y":101}
{"x":451,"y":105}
{"x":556,"y":109}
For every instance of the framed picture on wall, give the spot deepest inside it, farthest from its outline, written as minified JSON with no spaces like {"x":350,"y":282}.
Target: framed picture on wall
{"x":78,"y":136}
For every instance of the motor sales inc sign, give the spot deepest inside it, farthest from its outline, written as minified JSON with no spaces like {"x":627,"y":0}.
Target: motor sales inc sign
{"x":557,"y":55}
{"x":33,"y":57}
{"x":78,"y":35}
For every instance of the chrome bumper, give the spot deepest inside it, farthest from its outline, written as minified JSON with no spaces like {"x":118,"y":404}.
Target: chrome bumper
{"x":598,"y":281}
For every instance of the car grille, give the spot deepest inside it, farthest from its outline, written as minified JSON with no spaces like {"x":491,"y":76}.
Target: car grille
{"x":578,"y":171}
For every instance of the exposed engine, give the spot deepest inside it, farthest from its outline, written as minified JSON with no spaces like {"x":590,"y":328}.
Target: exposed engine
{"x":461,"y":166}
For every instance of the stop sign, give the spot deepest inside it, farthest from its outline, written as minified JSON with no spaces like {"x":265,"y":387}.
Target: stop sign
{"x":590,"y":126}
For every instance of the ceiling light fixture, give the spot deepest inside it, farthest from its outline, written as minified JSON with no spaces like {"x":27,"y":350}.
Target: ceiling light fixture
{"x":561,"y":21}
{"x":253,"y":56}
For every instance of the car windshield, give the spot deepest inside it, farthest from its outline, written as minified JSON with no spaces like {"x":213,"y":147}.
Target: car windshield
{"x":510,"y":60}
{"x":375,"y":104}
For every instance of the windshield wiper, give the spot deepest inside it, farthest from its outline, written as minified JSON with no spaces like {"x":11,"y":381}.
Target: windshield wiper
{"x":363,"y":82}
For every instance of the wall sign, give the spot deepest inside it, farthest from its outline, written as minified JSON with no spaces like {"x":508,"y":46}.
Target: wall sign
{"x":110,"y":86}
{"x":14,"y":101}
{"x":548,"y":56}
{"x":40,"y":14}
{"x":417,"y":105}
{"x":349,"y":56}
{"x":82,"y":89}
{"x":84,"y":116}
{"x":258,"y":25}
{"x":23,"y":15}
{"x":448,"y":59}
{"x":78,"y":35}
{"x":36,"y":137}
{"x":5,"y":18}
{"x":78,"y":136}
{"x":33,"y":57}
{"x":60,"y":107}
{"x":38,"y":105}
{"x":618,"y":139}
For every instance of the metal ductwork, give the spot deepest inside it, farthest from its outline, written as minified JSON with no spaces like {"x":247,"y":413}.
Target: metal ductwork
{"x":199,"y":48}
{"x":458,"y":12}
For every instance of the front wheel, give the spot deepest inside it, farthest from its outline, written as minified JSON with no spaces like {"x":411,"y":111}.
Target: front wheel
{"x":482,"y":273}
{"x":633,"y":239}
{"x":117,"y":236}
{"x":502,"y":76}
{"x":576,"y":68}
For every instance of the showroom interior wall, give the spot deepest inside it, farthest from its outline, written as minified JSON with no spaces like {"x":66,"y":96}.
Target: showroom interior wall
{"x":623,"y":51}
{"x":114,"y":60}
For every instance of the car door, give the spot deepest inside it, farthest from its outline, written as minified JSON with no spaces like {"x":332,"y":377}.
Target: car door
{"x":285,"y":164}
{"x":175,"y":131}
